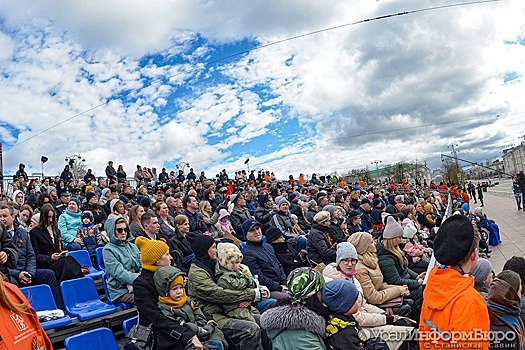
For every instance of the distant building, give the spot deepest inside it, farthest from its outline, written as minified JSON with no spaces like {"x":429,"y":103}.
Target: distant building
{"x":486,"y":170}
{"x":514,"y":159}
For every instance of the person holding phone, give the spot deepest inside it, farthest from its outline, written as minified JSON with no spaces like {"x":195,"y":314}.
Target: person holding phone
{"x":48,"y":247}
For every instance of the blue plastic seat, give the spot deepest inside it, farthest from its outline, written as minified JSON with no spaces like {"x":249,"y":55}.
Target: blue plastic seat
{"x":99,"y":338}
{"x":82,"y":256}
{"x":124,"y":306}
{"x":81,"y":299}
{"x":130,"y":322}
{"x":100,"y":258}
{"x":41,"y":299}
{"x":242,"y":245}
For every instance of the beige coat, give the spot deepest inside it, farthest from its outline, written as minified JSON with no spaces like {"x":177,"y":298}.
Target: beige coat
{"x":376,"y":291}
{"x":371,"y":318}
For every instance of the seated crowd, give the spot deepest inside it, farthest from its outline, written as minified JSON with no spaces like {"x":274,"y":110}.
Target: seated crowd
{"x":254,"y":263}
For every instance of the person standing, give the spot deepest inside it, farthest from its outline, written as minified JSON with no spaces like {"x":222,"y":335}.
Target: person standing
{"x":521,"y":184}
{"x":480,"y":194}
{"x":450,"y":302}
{"x":517,"y":192}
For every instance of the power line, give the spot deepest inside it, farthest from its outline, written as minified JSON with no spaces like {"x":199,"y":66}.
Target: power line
{"x":239,"y":53}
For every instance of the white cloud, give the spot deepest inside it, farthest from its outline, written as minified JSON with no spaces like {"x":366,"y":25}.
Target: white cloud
{"x":425,"y":68}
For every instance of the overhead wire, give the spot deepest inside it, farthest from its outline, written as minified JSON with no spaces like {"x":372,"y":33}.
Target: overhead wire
{"x":199,"y":65}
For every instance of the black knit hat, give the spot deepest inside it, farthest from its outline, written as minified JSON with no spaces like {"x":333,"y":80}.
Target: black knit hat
{"x":200,"y":244}
{"x":272,"y":234}
{"x":90,"y":195}
{"x":453,"y":240}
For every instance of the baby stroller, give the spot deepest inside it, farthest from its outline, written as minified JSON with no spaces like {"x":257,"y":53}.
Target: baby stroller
{"x":489,"y":230}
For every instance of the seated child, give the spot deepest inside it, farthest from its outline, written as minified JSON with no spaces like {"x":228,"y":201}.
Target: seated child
{"x":174,"y":303}
{"x":90,"y":235}
{"x":342,"y":330}
{"x":231,"y":274}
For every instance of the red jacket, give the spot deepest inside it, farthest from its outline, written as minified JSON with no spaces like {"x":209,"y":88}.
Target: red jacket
{"x":21,"y":331}
{"x":452,"y":306}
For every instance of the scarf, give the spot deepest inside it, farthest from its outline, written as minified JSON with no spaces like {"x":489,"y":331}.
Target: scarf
{"x":207,"y":265}
{"x":176,"y":304}
{"x":51,"y":233}
{"x":351,"y":274}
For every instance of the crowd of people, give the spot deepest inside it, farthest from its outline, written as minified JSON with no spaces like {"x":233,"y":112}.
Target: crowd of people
{"x":250,"y":262}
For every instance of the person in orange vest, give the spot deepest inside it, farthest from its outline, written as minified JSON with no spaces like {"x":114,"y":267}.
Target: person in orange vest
{"x":342,"y":182}
{"x":302,"y":180}
{"x":464,"y":196}
{"x":454,"y":192}
{"x":20,"y":328}
{"x":454,"y":315}
{"x":361,"y":182}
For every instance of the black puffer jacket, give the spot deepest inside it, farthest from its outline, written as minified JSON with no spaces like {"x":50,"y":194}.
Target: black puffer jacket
{"x":318,"y":246}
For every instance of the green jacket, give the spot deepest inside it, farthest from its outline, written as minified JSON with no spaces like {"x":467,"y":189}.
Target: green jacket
{"x":393,"y":272}
{"x":208,"y":296}
{"x":192,"y":319}
{"x":235,"y":281}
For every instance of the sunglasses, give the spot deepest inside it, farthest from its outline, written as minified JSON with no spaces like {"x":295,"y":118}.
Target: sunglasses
{"x":122,"y":229}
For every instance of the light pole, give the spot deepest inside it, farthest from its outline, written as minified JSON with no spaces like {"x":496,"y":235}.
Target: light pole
{"x":455,"y":154}
{"x":74,"y":164}
{"x":247,"y":162}
{"x":182,"y":166}
{"x":376,"y":162}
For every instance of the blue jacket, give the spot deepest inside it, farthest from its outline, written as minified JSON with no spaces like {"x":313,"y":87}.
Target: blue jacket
{"x":68,"y":224}
{"x":122,"y":260}
{"x":262,"y":261}
{"x":26,"y":256}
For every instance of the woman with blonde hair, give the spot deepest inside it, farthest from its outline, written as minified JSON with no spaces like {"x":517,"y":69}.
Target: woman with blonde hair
{"x":180,"y":248}
{"x":394,"y":264}
{"x":376,"y":291}
{"x":210,"y":218}
{"x":20,"y":327}
{"x":167,"y":227}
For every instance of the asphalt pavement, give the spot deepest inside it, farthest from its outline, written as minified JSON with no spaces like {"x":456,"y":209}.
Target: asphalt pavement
{"x":500,"y":206}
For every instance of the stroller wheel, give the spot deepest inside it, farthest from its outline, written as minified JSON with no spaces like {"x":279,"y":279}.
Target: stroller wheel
{"x":484,"y":233}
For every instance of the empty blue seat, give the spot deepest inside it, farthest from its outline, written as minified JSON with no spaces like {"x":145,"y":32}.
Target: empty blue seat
{"x":81,"y":299}
{"x":100,"y":258}
{"x":82,"y":256}
{"x":99,"y":338}
{"x":41,"y":299}
{"x":130,"y":322}
{"x":124,"y":306}
{"x":242,"y":245}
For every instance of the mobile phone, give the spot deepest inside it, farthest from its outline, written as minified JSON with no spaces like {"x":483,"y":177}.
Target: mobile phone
{"x":64,"y":253}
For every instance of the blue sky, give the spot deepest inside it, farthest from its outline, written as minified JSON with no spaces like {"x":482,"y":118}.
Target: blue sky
{"x":324,"y":103}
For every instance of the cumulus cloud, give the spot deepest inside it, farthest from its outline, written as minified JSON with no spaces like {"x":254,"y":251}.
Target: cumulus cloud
{"x":396,"y":89}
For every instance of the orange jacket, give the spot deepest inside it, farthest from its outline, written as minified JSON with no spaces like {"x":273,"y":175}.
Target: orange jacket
{"x":454,"y":192}
{"x":451,"y":306}
{"x":21,"y":331}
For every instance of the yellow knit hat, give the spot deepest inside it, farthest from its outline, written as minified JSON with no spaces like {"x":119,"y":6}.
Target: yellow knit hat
{"x":150,"y":252}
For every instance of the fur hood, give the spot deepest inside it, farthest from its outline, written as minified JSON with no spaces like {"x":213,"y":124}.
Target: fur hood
{"x":293,"y":317}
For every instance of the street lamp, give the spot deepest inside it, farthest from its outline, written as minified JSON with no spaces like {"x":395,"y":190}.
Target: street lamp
{"x":74,"y":163}
{"x":376,"y":162}
{"x":247,"y":162}
{"x":182,"y":166}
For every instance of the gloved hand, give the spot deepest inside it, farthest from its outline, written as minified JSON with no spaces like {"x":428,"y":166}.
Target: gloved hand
{"x":213,"y":323}
{"x":205,"y":333}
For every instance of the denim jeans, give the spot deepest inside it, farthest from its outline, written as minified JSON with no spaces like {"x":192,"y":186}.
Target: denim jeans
{"x":264,"y":305}
{"x":73,"y":246}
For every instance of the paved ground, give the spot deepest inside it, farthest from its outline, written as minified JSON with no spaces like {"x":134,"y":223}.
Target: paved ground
{"x":500,"y":206}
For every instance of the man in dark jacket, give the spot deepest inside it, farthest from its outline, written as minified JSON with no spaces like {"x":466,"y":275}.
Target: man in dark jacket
{"x":111,"y":173}
{"x":191,"y":210}
{"x":261,"y":260}
{"x":521,"y":184}
{"x":366,"y":220}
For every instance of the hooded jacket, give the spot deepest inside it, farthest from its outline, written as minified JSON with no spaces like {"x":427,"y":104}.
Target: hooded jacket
{"x":450,"y":303}
{"x":68,"y":224}
{"x":294,"y":327}
{"x":122,"y":260}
